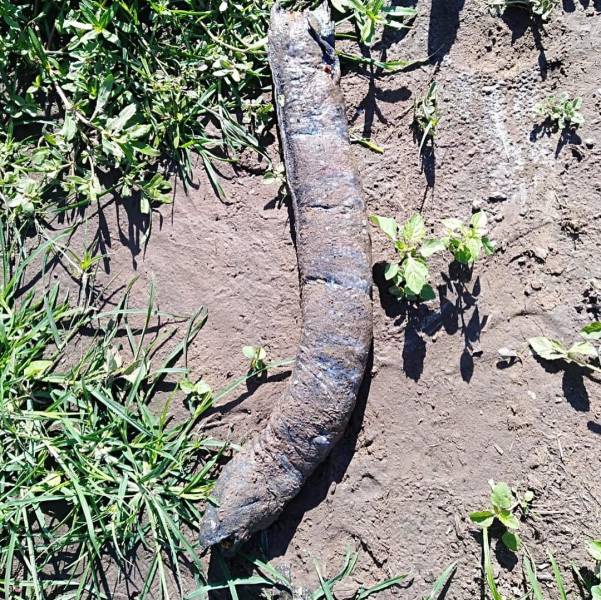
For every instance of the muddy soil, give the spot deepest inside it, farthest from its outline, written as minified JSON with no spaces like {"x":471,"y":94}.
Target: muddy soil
{"x":440,"y":414}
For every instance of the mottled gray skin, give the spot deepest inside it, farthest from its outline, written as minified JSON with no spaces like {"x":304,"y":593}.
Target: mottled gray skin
{"x":334,"y":259}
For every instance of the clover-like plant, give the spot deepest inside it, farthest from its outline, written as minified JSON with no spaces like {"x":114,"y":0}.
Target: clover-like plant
{"x":467,"y":243}
{"x":409,"y":274}
{"x":582,"y":352}
{"x":562,"y":112}
{"x":369,"y":14}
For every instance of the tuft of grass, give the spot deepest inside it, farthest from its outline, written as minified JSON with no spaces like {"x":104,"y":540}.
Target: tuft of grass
{"x":86,"y":468}
{"x":100,"y":99}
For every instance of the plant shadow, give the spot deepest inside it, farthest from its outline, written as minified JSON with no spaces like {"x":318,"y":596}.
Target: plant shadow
{"x":568,"y":136}
{"x":458,"y":312}
{"x":519,"y":22}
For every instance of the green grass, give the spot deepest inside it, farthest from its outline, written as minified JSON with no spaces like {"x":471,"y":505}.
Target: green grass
{"x":102,"y":98}
{"x":86,"y":468}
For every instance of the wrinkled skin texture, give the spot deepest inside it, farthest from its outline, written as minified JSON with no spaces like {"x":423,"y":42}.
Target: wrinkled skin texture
{"x":334,"y":259}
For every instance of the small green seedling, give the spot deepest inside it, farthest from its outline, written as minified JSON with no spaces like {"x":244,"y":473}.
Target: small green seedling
{"x":467,"y":243}
{"x":561,"y":112}
{"x":409,"y":274}
{"x":277,"y":174}
{"x":370,"y":14}
{"x":503,"y":503}
{"x":201,"y":388}
{"x":583,"y":352}
{"x":426,"y":116}
{"x":199,"y":395}
{"x":541,"y":8}
{"x":257,"y":356}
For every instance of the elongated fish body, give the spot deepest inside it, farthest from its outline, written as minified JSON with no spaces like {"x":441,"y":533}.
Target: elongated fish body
{"x":334,"y":260}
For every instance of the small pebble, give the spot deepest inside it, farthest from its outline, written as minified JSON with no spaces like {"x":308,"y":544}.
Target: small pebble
{"x":589,"y":142}
{"x":540,"y":252}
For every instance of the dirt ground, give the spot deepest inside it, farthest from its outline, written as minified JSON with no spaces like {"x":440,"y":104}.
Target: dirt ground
{"x":439,"y":415}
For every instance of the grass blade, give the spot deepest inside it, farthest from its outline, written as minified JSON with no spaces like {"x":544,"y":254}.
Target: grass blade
{"x":442,"y":581}
{"x":558,"y":577}
{"x":530,"y":573}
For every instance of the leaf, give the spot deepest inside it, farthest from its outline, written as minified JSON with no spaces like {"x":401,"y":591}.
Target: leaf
{"x":427,"y":293}
{"x":501,"y":496}
{"x":391,"y":270}
{"x":442,"y":581}
{"x":415,"y":274}
{"x":378,"y":587}
{"x":69,"y":128}
{"x":596,"y":592}
{"x":594,"y":549}
{"x":104,"y":92}
{"x":430,"y":247}
{"x":474,"y":247}
{"x":511,"y":540}
{"x":592,"y":331}
{"x":462,"y":255}
{"x":531,"y":578}
{"x":478,"y":221}
{"x":482,"y":518}
{"x":36,"y":368}
{"x":187,"y":386}
{"x":452,"y":224}
{"x":249,"y":351}
{"x":508,"y":519}
{"x":558,"y":577}
{"x":414,"y":230}
{"x":583,"y":349}
{"x":489,"y":247}
{"x":137,"y":131}
{"x":118,"y":123}
{"x":387,"y":224}
{"x":547,"y":348}
{"x":144,"y":205}
{"x":367,"y":29}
